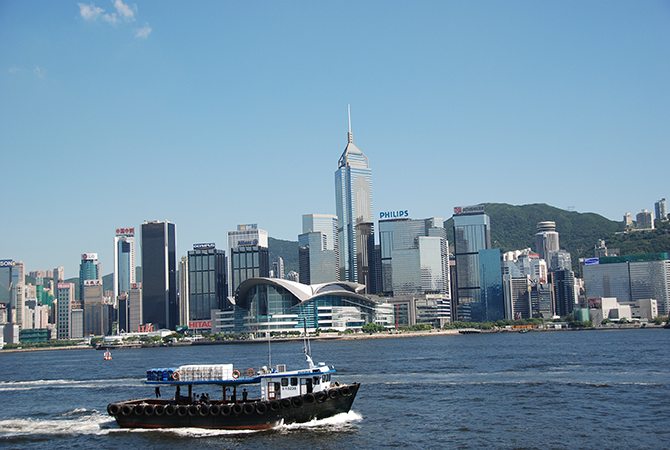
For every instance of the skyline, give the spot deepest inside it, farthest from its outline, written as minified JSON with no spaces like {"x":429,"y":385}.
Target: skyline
{"x":218,"y":114}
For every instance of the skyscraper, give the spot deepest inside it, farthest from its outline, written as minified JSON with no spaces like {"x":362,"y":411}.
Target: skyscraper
{"x":248,"y":255}
{"x":65,"y":295}
{"x":159,"y":274}
{"x":661,"y":210}
{"x":414,"y":257}
{"x":124,"y":260}
{"x":89,"y":269}
{"x":472,"y":233}
{"x":353,"y":199}
{"x":546,"y":240}
{"x":207,"y":288}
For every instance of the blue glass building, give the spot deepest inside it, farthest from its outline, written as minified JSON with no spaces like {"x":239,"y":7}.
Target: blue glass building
{"x":353,"y":198}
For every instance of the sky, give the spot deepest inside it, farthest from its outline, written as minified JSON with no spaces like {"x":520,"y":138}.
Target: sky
{"x":211,"y":114}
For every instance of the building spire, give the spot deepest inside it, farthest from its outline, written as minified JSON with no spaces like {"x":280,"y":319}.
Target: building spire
{"x":350,"y":134}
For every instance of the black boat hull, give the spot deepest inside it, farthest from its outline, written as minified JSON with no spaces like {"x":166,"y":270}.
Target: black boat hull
{"x":255,"y":415}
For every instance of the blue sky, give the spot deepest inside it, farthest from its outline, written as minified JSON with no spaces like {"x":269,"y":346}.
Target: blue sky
{"x":212,"y":114}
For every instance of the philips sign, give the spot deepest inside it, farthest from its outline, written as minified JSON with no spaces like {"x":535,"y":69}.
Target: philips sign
{"x":204,"y":246}
{"x":394,"y":214}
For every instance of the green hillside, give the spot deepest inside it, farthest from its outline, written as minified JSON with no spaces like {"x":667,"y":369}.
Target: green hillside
{"x":513,"y":227}
{"x":288,"y":250}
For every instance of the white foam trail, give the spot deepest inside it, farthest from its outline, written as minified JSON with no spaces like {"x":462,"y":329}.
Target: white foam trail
{"x":339,"y":419}
{"x":77,"y":422}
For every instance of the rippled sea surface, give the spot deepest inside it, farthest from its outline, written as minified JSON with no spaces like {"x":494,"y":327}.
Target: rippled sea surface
{"x":539,"y":390}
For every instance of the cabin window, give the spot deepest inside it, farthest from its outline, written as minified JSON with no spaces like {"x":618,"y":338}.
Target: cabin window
{"x":316,"y":380}
{"x":323,"y":378}
{"x":284,"y":381}
{"x":294,"y":381}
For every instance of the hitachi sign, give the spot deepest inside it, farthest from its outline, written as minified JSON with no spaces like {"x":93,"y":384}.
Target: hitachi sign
{"x":393,"y":214}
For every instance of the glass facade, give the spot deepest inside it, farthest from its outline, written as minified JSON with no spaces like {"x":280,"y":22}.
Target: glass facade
{"x":159,"y":275}
{"x":269,"y":305}
{"x":491,"y":308}
{"x":607,"y":280}
{"x":353,"y":201}
{"x":414,"y":256}
{"x":65,"y":293}
{"x":318,"y":264}
{"x":89,"y":269}
{"x":651,"y":279}
{"x":6,"y":282}
{"x":472,"y":233}
{"x":207,"y":283}
{"x":248,"y":262}
{"x":564,"y":291}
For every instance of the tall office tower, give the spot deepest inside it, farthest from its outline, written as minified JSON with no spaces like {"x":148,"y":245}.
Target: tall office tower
{"x":122,"y":312}
{"x":6,"y":286}
{"x":135,"y":316}
{"x":206,"y":282}
{"x":65,"y":296}
{"x":564,"y":291}
{"x":94,"y":323}
{"x":661,"y":210}
{"x":316,"y":263}
{"x":472,"y":233}
{"x":124,"y":260}
{"x":89,"y":269}
{"x":541,"y":300}
{"x":278,"y":268}
{"x":628,"y":220}
{"x":248,"y":255}
{"x":517,"y":298}
{"x":414,"y":257}
{"x":353,"y":199}
{"x":18,"y":289}
{"x":183,"y":291}
{"x":546,"y":240}
{"x":491,"y":308}
{"x":645,"y":220}
{"x":59,"y":275}
{"x":159,"y":274}
{"x":326,"y":224}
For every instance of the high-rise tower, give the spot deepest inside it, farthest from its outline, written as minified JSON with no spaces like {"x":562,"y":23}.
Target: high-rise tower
{"x":353,"y":198}
{"x":124,"y":260}
{"x":159,"y":274}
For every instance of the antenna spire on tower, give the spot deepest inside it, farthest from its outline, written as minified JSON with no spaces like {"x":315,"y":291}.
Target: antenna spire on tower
{"x":349,"y":110}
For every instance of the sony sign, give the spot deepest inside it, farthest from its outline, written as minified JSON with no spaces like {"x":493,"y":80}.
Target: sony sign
{"x":394,"y":214}
{"x":6,"y":263}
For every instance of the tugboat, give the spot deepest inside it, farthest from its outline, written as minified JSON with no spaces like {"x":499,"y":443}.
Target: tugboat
{"x":286,"y":397}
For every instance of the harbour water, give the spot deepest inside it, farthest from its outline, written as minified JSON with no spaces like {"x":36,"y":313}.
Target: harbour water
{"x":538,"y":390}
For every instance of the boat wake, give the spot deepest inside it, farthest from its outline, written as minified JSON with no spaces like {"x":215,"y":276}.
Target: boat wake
{"x":76,"y":422}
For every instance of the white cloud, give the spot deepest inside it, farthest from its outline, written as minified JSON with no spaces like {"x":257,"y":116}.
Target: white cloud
{"x":125,"y":11}
{"x":110,"y":18}
{"x":39,"y":72}
{"x":90,"y":12}
{"x":143,"y":32}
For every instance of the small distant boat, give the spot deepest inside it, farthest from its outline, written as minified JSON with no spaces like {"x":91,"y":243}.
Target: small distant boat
{"x":108,"y":355}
